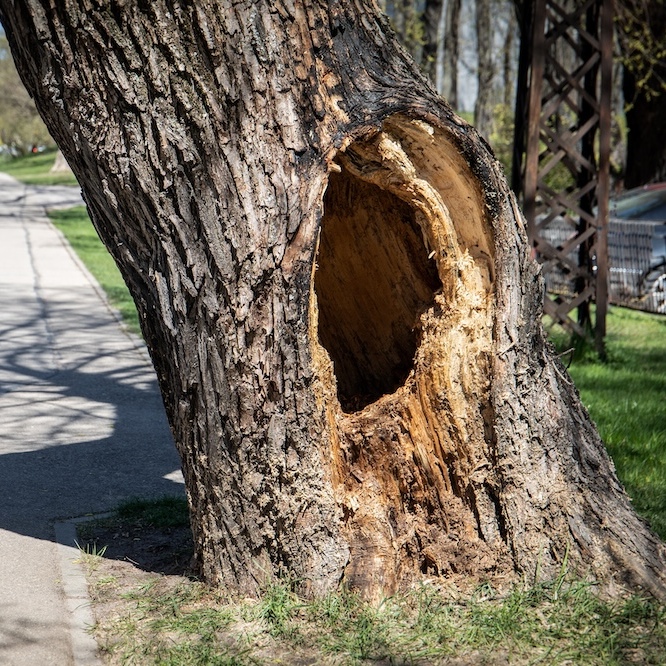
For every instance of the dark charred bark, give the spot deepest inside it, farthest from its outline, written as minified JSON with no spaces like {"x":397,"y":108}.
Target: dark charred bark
{"x":335,"y":286}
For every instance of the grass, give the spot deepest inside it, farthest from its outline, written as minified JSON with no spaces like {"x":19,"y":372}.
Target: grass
{"x":35,"y":169}
{"x":561,"y":622}
{"x":626,"y":398}
{"x":558,"y":622}
{"x":161,"y":513}
{"x":179,"y":622}
{"x":142,"y":514}
{"x":90,"y":556}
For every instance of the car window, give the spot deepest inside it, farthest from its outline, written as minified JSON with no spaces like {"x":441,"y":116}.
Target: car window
{"x":649,"y":205}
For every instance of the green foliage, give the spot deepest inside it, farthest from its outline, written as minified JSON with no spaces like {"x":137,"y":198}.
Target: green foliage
{"x":642,"y":41}
{"x":79,"y":231}
{"x":21,"y":127}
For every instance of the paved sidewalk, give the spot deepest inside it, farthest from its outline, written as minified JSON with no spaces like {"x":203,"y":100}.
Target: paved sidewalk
{"x":82,"y":425}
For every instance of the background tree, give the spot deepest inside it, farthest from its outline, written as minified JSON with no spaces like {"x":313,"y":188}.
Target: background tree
{"x":21,"y":127}
{"x":334,"y":283}
{"x":448,"y":54}
{"x":408,"y":19}
{"x":642,"y":36}
{"x":431,"y":32}
{"x":433,"y":13}
{"x":485,"y":69}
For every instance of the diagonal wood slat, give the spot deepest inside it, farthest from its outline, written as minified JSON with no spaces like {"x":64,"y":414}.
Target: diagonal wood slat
{"x":566,"y":160}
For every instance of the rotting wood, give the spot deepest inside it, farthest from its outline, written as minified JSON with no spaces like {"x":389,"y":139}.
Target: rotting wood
{"x":412,"y":466}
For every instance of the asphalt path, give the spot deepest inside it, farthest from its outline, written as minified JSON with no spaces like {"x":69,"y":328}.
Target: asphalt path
{"x":82,"y":426}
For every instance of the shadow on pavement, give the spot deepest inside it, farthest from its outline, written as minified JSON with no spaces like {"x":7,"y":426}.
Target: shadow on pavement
{"x":18,"y":632}
{"x":82,"y":423}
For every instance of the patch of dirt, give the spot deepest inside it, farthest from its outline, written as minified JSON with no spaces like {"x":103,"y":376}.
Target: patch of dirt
{"x":139,"y":564}
{"x":152,"y":550}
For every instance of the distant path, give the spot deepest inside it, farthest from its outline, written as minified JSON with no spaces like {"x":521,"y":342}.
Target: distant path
{"x":82,"y":425}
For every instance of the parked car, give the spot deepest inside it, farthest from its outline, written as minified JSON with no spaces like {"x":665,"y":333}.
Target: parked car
{"x":636,"y":249}
{"x":637,"y":243}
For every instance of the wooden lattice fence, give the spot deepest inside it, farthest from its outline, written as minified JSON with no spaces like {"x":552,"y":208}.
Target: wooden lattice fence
{"x":564,"y":93}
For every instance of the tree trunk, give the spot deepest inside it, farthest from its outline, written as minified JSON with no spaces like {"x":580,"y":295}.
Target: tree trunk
{"x":432,"y":18}
{"x":483,"y":118}
{"x":509,"y":58}
{"x":407,"y":22}
{"x":642,"y":42}
{"x":335,"y":286}
{"x":447,"y":78}
{"x":60,"y":164}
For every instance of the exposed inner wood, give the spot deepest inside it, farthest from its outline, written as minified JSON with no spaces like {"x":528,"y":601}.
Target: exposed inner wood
{"x":402,"y":330}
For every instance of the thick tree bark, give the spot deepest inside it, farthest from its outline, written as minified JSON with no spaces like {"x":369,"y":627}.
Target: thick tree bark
{"x":335,"y":286}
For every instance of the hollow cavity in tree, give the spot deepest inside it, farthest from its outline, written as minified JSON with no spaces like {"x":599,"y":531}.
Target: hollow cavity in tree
{"x":374,"y":280}
{"x":387,"y":248}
